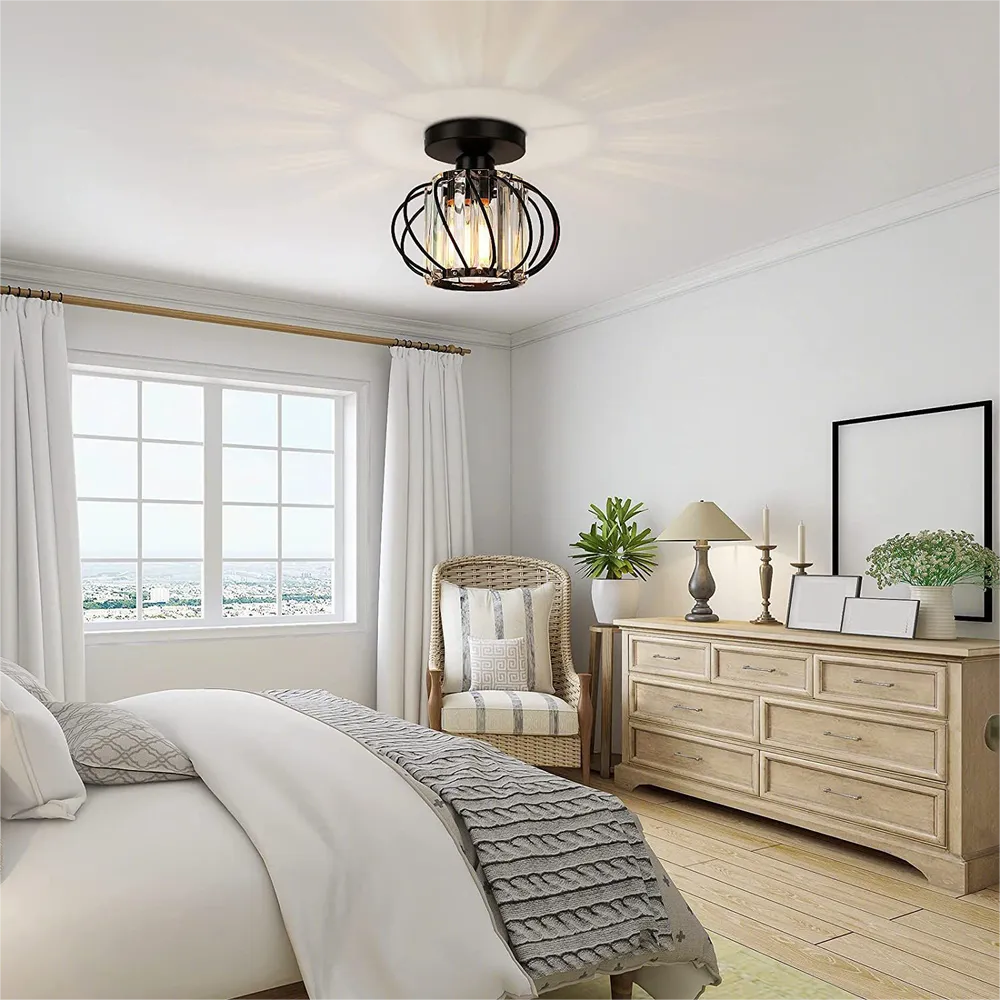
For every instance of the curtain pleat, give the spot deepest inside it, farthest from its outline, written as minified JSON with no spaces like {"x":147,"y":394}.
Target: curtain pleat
{"x":426,"y":516}
{"x":41,"y":616}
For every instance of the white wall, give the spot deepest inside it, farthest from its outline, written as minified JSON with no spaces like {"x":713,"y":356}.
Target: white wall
{"x":343,"y":662}
{"x":727,"y":393}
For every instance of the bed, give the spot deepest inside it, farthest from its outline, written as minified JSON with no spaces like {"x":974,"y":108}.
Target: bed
{"x":299,"y":854}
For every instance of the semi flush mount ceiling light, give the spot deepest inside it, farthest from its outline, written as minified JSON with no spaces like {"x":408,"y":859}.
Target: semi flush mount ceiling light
{"x":475,"y":228}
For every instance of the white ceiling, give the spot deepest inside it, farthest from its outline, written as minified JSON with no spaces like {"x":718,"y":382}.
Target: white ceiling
{"x":264,"y":146}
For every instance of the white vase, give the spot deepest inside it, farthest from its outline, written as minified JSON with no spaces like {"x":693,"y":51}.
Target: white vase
{"x":936,"y":616}
{"x":614,"y":599}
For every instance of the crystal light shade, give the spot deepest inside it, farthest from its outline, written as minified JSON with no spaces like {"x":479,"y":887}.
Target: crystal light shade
{"x":475,"y":228}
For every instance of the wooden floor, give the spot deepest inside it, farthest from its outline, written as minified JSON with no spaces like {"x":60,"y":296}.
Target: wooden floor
{"x":855,"y":918}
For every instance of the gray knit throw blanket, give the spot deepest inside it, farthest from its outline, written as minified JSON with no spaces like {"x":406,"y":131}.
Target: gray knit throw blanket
{"x":566,"y":866}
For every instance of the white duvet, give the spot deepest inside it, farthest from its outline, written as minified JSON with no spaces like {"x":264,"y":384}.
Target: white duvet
{"x":376,"y":900}
{"x":159,"y":890}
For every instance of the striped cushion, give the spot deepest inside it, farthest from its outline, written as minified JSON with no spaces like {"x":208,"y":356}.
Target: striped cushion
{"x":531,"y":713}
{"x":468,"y":612}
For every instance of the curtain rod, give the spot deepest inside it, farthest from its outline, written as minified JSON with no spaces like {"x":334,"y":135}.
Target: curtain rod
{"x":248,"y":324}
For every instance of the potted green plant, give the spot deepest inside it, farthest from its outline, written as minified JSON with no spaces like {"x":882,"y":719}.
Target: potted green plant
{"x":616,"y":555}
{"x":932,"y":562}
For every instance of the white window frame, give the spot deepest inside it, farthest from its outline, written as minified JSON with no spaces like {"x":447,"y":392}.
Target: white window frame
{"x":350,"y":500}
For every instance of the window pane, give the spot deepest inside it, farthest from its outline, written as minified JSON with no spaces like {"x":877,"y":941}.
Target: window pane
{"x":307,"y":588}
{"x":249,"y":475}
{"x":307,"y":533}
{"x":172,"y":471}
{"x":249,"y":590}
{"x":108,"y":592}
{"x":105,"y":405}
{"x":106,"y":468}
{"x":173,"y":411}
{"x":249,"y":417}
{"x":171,"y":590}
{"x":171,"y":531}
{"x":306,"y":477}
{"x":108,"y":530}
{"x":306,"y":422}
{"x":249,"y":532}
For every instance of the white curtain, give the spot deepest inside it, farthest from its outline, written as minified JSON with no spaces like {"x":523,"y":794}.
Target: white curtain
{"x":41,"y":616}
{"x":426,"y":516}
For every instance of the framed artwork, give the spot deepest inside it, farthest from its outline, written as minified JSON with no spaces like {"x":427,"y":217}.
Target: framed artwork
{"x":817,"y":602}
{"x":911,"y":471}
{"x":880,"y":616}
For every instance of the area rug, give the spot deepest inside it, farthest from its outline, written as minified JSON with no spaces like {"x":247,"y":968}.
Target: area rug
{"x":746,"y":975}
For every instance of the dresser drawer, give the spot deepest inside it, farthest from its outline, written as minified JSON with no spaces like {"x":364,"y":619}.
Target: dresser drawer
{"x":688,"y":756}
{"x":675,"y":657}
{"x":906,"y":687}
{"x":691,"y":707}
{"x":761,"y":669}
{"x":908,"y":810}
{"x":909,"y":746}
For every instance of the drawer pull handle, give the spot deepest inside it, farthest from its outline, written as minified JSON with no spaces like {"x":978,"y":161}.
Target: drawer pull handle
{"x":838,"y":736}
{"x":660,"y":656}
{"x":843,"y":795}
{"x":875,"y":684}
{"x":689,"y":756}
{"x":687,"y":708}
{"x":762,"y":670}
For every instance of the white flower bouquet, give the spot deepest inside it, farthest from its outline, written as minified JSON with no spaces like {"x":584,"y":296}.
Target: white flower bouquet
{"x":933,"y":559}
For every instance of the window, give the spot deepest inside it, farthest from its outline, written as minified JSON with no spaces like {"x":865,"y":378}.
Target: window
{"x":208,"y":502}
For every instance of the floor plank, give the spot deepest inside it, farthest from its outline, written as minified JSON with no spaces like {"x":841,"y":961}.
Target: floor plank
{"x":674,"y":854}
{"x":680,"y":817}
{"x":954,"y":931}
{"x":984,"y":897}
{"x":855,"y":977}
{"x":692,"y":882}
{"x":919,"y":897}
{"x":822,"y":885}
{"x":909,"y":968}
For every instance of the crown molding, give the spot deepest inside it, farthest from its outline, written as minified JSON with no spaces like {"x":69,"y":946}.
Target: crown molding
{"x":147,"y":291}
{"x":896,"y":213}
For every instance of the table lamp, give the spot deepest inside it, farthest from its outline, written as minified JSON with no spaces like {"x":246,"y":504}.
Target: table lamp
{"x":702,"y":522}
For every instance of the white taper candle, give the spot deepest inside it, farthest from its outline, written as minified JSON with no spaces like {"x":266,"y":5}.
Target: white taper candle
{"x":802,"y":542}
{"x":767,"y":526}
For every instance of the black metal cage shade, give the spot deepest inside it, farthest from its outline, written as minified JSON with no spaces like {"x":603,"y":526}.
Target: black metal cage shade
{"x":475,"y":228}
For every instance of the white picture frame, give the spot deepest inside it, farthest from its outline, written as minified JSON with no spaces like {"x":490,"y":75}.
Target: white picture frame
{"x":893,"y":617}
{"x":816,"y":602}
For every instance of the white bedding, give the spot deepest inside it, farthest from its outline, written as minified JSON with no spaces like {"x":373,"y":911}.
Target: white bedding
{"x":294,"y":834}
{"x":152,"y":891}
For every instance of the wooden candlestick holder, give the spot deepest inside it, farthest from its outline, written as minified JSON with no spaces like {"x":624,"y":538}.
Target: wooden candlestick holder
{"x":800,"y":568}
{"x":766,"y":575}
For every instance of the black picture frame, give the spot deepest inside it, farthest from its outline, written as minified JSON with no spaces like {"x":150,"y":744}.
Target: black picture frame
{"x":804,"y":577}
{"x":987,"y":407}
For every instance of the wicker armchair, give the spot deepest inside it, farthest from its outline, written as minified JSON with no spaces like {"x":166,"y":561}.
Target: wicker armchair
{"x":505,"y":573}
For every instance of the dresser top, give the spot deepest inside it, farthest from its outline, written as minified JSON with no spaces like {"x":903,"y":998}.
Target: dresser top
{"x":951,"y":649}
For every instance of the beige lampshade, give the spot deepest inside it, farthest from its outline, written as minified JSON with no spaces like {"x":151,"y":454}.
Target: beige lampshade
{"x":703,"y":521}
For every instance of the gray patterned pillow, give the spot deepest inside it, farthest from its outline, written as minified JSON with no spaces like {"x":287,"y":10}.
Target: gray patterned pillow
{"x":112,"y":746}
{"x":498,"y":664}
{"x":27,"y":680}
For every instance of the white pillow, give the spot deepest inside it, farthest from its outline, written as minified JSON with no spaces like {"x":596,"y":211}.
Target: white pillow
{"x":37,"y":776}
{"x":468,"y":612}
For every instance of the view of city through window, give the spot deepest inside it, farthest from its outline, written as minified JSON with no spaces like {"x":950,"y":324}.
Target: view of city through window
{"x":158,"y":488}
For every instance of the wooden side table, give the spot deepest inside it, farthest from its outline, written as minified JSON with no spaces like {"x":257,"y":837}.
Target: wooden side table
{"x":602,"y":662}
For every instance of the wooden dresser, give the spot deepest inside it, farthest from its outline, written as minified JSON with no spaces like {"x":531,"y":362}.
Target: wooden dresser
{"x":876,"y":741}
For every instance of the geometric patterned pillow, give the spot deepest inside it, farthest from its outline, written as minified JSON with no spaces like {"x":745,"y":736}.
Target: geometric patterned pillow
{"x":112,"y":746}
{"x":27,"y":680}
{"x":499,"y":664}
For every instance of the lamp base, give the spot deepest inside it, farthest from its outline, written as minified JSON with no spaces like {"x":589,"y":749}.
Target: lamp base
{"x":701,"y":612}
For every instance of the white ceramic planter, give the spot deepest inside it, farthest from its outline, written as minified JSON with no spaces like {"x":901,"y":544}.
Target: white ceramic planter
{"x":615,"y":599}
{"x":936,"y":617}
